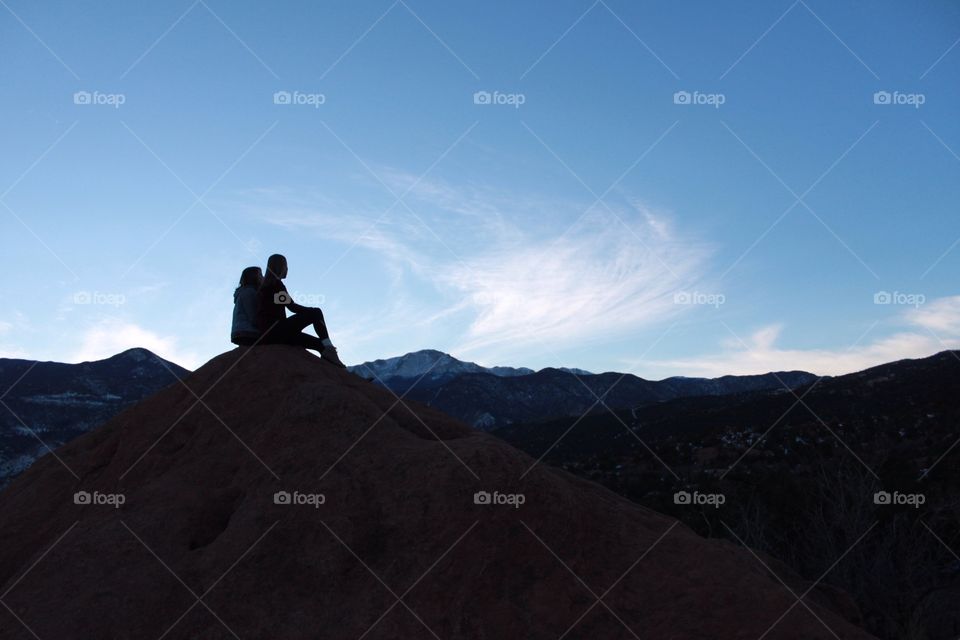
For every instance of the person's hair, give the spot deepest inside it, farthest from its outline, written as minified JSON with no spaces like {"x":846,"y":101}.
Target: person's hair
{"x":251,"y":277}
{"x":275,"y":266}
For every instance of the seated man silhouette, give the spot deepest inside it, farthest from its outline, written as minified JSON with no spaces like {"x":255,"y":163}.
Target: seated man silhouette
{"x":274,"y":324}
{"x":244,"y":331}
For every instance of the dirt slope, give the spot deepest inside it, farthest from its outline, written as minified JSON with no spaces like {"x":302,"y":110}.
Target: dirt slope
{"x":200,"y":549}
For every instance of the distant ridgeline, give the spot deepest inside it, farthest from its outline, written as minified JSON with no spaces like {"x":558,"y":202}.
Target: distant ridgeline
{"x":489,"y":398}
{"x":50,"y":403}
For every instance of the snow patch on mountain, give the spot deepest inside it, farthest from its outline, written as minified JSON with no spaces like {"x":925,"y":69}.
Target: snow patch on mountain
{"x":74,"y":399}
{"x":430,"y":364}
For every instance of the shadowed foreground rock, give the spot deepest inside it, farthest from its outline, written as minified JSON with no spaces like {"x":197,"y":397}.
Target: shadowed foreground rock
{"x":398,"y":521}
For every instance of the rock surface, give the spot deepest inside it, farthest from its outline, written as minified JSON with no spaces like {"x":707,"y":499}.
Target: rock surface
{"x":398,"y":549}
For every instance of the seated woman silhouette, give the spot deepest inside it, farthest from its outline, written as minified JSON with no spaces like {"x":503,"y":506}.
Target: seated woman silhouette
{"x":244,"y":331}
{"x":272,"y":321}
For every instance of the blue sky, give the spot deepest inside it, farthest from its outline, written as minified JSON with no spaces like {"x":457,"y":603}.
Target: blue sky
{"x":691,"y":188}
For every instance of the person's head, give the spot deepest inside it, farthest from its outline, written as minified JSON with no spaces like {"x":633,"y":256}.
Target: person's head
{"x":277,"y":266}
{"x":251,"y":277}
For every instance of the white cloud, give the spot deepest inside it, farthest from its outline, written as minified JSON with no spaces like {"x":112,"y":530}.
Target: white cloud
{"x":112,"y":336}
{"x":7,"y":351}
{"x":11,"y":329}
{"x":932,"y":328}
{"x":507,"y":263}
{"x":602,"y":278}
{"x":941,"y":316}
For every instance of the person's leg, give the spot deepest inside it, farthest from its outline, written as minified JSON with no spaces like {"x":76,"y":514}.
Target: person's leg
{"x":289,"y":331}
{"x":294,"y":323}
{"x":284,"y":332}
{"x":299,"y":321}
{"x":319,"y":324}
{"x":326,"y":348}
{"x":308,"y":341}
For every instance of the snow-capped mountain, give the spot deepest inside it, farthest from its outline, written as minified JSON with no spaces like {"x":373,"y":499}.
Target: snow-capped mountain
{"x":50,"y":403}
{"x":437,"y":365}
{"x":576,"y":371}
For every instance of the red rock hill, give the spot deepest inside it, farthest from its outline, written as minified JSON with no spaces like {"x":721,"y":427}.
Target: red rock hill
{"x":397,"y":549}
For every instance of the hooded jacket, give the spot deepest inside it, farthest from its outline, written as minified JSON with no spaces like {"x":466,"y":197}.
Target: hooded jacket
{"x":244,"y":313}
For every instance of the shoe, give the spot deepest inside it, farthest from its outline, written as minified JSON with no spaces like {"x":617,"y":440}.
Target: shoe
{"x":330,"y":355}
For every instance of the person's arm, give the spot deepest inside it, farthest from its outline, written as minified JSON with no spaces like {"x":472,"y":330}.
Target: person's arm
{"x":290,"y":304}
{"x":296,"y":308}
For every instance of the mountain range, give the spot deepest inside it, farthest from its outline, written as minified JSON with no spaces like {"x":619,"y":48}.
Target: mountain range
{"x":49,"y":403}
{"x":430,"y":364}
{"x":887,"y":407}
{"x":489,"y":398}
{"x":863,"y":465}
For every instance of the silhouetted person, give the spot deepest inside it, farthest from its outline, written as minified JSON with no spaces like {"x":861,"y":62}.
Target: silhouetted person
{"x":272,"y":304}
{"x":245,"y":331}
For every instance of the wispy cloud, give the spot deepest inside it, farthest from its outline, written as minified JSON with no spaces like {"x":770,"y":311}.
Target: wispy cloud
{"x":599,"y":279}
{"x":391,"y":236}
{"x":507,"y":264}
{"x":927,"y":330}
